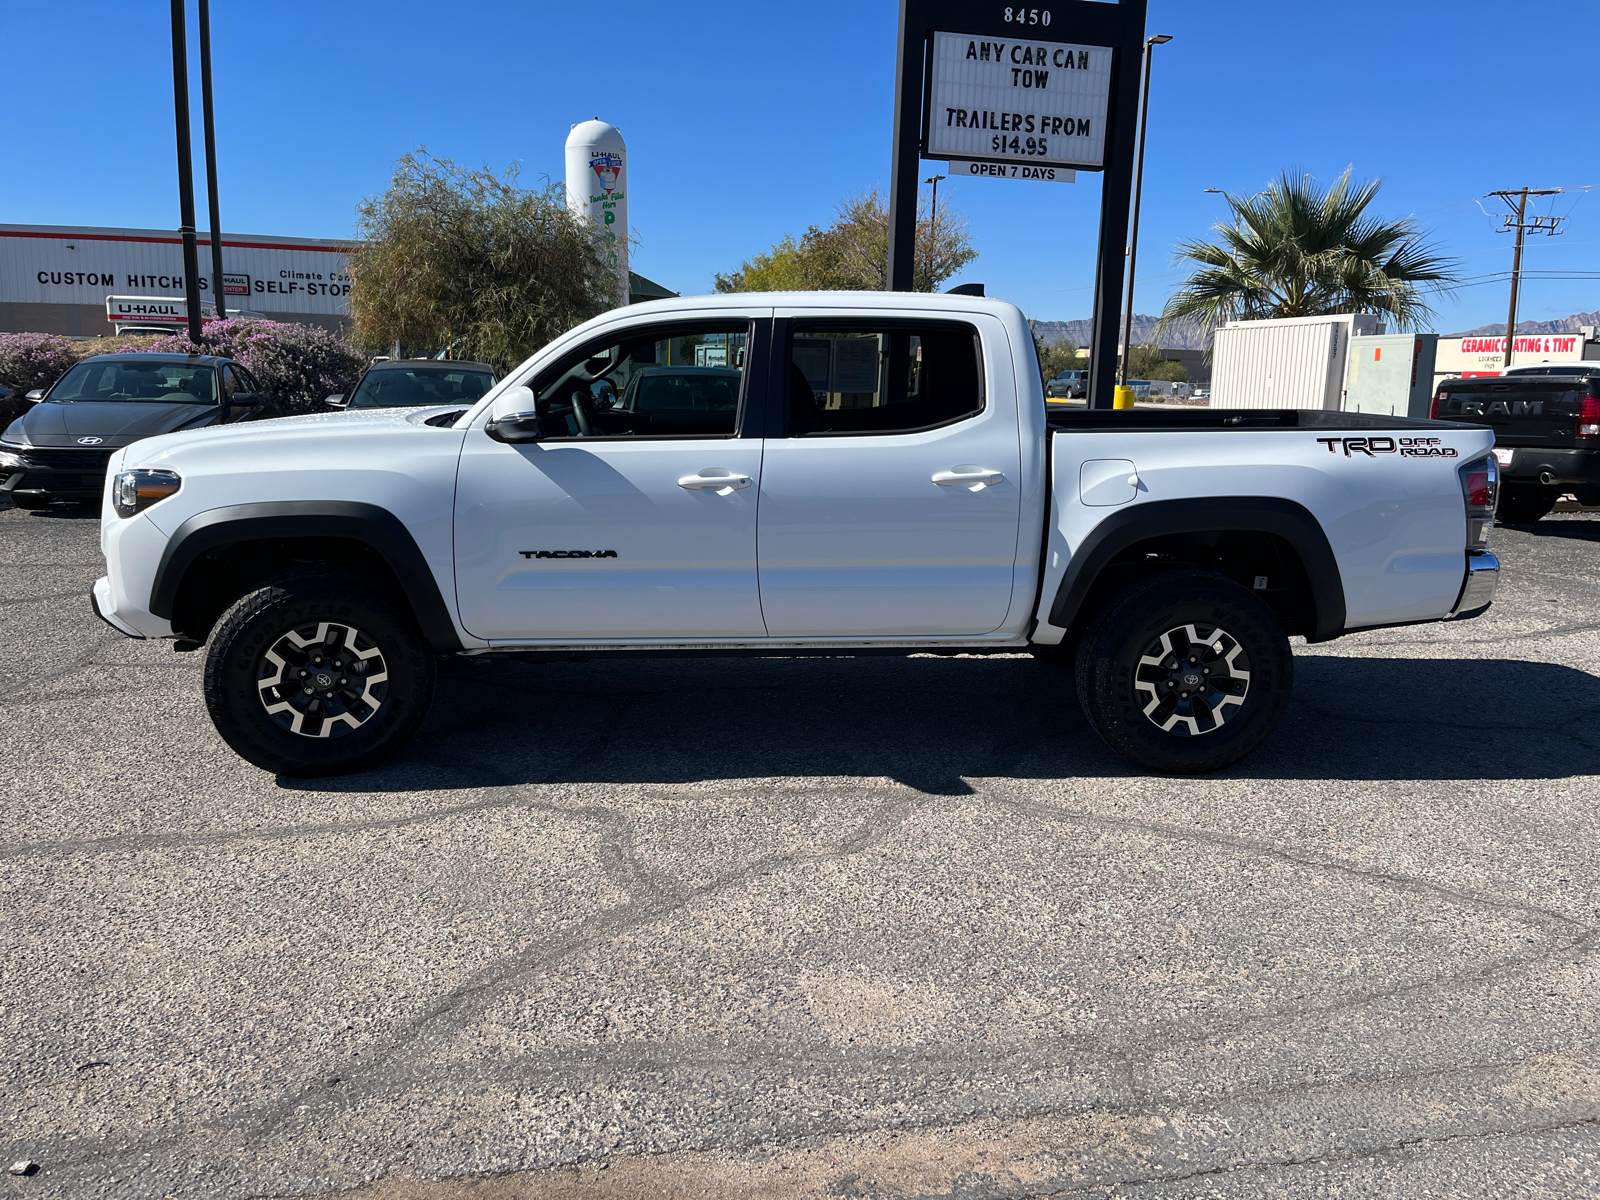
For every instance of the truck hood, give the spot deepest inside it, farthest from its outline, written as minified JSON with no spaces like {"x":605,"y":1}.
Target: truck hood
{"x":49,"y":424}
{"x":281,"y":434}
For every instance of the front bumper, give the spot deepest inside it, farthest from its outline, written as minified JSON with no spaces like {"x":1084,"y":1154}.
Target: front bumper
{"x":1549,"y":466}
{"x":100,"y":601}
{"x":1477,"y":590}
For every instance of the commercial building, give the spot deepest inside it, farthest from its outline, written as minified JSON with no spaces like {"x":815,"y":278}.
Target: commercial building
{"x":1477,"y":355}
{"x":55,"y":278}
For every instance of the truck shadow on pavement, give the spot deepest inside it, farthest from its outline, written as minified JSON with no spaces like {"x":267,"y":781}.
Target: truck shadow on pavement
{"x":934,"y":724}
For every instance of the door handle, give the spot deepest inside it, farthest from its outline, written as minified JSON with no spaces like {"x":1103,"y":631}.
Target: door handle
{"x":972,"y":478}
{"x":716,"y":479}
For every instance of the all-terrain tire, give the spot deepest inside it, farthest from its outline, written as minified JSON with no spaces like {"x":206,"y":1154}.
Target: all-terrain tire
{"x":1524,"y":503}
{"x":314,"y":627}
{"x":1184,"y":625}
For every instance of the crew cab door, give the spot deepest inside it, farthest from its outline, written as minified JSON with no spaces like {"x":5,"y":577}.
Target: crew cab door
{"x":889,"y":495}
{"x":635,"y":515}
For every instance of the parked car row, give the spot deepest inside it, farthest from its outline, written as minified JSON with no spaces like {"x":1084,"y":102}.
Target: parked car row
{"x":59,"y":448}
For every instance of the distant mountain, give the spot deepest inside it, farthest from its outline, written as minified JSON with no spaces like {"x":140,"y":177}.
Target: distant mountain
{"x":1565,"y":325}
{"x":1186,"y":337}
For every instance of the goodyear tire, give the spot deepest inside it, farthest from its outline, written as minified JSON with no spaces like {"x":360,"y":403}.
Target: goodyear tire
{"x":1184,"y":673}
{"x":314,"y":674}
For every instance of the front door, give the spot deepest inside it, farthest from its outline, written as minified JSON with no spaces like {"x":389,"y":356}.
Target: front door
{"x":637,"y":519}
{"x":891,"y":506}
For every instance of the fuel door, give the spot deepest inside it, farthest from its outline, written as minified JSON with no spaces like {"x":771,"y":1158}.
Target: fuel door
{"x":1107,"y":481}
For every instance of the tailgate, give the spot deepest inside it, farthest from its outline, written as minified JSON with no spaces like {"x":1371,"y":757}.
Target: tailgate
{"x":1538,"y":414}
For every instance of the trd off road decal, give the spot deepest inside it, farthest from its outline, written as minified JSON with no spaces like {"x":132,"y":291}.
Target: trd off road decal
{"x":1406,"y":447}
{"x":567,"y":553}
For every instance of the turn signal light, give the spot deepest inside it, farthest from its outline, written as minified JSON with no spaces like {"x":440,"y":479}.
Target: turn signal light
{"x":134,"y":491}
{"x":1588,"y":418}
{"x":1480,"y":483}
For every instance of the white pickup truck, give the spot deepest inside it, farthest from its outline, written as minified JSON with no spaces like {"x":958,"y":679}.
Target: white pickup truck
{"x":787,"y":474}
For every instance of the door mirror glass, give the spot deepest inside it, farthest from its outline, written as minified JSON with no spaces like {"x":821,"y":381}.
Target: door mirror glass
{"x":514,"y":417}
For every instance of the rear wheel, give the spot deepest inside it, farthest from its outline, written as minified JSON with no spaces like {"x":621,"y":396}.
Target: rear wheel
{"x":312,"y":674}
{"x":1184,"y":673}
{"x":1525,"y":502}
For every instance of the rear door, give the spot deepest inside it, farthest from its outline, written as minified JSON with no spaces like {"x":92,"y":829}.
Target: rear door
{"x":889,"y":497}
{"x":637,"y":518}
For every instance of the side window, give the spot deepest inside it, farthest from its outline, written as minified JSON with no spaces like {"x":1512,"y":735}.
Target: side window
{"x":684,"y":381}
{"x":230,"y":384}
{"x":882,"y":380}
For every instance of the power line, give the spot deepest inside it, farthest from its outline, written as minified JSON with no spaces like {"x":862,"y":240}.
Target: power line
{"x":1547,"y":224}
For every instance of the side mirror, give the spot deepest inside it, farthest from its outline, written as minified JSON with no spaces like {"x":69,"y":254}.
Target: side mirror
{"x":35,"y":396}
{"x":514,"y":417}
{"x":340,"y":401}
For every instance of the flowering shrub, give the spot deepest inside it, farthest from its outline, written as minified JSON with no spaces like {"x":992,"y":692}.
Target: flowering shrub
{"x":297,"y":365}
{"x":28,"y":361}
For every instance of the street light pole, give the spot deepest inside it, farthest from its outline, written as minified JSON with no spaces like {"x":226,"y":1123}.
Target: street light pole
{"x":1138,"y":184}
{"x":934,"y":179}
{"x":217,"y":297}
{"x":180,"y":100}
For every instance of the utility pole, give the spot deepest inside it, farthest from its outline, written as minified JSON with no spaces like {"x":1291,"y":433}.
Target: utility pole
{"x":180,"y":101}
{"x":217,"y":296}
{"x":1548,"y":225}
{"x":934,"y":179}
{"x":1150,"y":43}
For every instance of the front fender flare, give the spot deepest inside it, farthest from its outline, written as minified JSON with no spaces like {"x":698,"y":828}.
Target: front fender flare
{"x":375,"y":527}
{"x":1257,"y":514}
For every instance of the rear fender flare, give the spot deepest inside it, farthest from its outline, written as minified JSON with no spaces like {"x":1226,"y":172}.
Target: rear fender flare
{"x":1258,"y":514}
{"x":377,"y":528}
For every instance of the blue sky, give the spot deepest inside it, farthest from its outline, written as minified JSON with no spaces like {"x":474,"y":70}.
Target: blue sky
{"x":745,"y":121}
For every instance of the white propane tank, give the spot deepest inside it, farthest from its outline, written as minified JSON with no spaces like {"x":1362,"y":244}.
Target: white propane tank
{"x":597,"y":187}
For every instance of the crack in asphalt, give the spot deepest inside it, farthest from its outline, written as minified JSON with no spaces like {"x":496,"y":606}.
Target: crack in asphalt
{"x":1331,"y":1159}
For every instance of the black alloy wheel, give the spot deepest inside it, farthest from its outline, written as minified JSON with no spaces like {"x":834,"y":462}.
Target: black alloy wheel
{"x":314,"y":674}
{"x":1184,"y":672}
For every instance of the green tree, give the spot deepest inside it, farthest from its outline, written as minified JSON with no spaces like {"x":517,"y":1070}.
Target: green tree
{"x":1147,"y":362}
{"x":852,"y":254}
{"x":1298,"y":250}
{"x":1058,"y":356}
{"x":466,"y":258}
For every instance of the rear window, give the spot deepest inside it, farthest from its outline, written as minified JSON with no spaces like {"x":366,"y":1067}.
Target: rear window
{"x":892,"y":379}
{"x":413,"y":387}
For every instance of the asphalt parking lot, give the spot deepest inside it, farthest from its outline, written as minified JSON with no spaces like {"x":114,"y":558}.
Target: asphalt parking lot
{"x":781,"y":928}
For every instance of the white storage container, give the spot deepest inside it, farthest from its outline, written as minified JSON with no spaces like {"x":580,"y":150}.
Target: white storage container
{"x":1391,"y":374}
{"x":1294,"y":362}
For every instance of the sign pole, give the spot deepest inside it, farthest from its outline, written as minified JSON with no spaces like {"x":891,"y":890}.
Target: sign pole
{"x":905,"y":160}
{"x":218,"y":296}
{"x":180,"y":100}
{"x":1116,"y":202}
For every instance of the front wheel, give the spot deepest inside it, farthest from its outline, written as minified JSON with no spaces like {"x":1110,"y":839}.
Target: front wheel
{"x":1184,"y":673}
{"x":312,"y":674}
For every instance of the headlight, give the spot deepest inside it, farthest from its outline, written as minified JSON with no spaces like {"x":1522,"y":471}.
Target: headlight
{"x":134,"y":491}
{"x":12,"y":462}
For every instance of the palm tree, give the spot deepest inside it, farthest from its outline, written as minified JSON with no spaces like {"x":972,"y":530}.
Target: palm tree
{"x":1297,"y":250}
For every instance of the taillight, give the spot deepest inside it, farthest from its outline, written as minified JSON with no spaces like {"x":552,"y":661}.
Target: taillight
{"x":1480,"y":480}
{"x":1438,"y":400}
{"x":1588,"y":418}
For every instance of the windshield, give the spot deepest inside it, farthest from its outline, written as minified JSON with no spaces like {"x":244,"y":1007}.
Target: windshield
{"x":411,"y":387}
{"x":137,"y":381}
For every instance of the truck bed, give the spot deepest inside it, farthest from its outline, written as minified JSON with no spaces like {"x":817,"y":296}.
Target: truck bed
{"x":1170,"y":419}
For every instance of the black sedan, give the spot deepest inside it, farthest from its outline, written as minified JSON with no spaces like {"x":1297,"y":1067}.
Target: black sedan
{"x":58,"y":449}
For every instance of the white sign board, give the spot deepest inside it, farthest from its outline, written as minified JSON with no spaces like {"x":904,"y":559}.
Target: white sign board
{"x":956,"y":169}
{"x":1018,"y":101}
{"x":1471,"y":356}
{"x":42,"y":264}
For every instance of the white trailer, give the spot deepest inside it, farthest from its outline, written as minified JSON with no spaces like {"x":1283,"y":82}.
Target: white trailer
{"x":1292,"y":362}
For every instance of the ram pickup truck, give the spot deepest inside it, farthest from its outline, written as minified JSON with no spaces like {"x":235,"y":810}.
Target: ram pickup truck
{"x":1546,"y":422}
{"x":780,"y":475}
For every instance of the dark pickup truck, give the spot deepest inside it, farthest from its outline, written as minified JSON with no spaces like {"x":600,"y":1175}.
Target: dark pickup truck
{"x":1546,"y":435}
